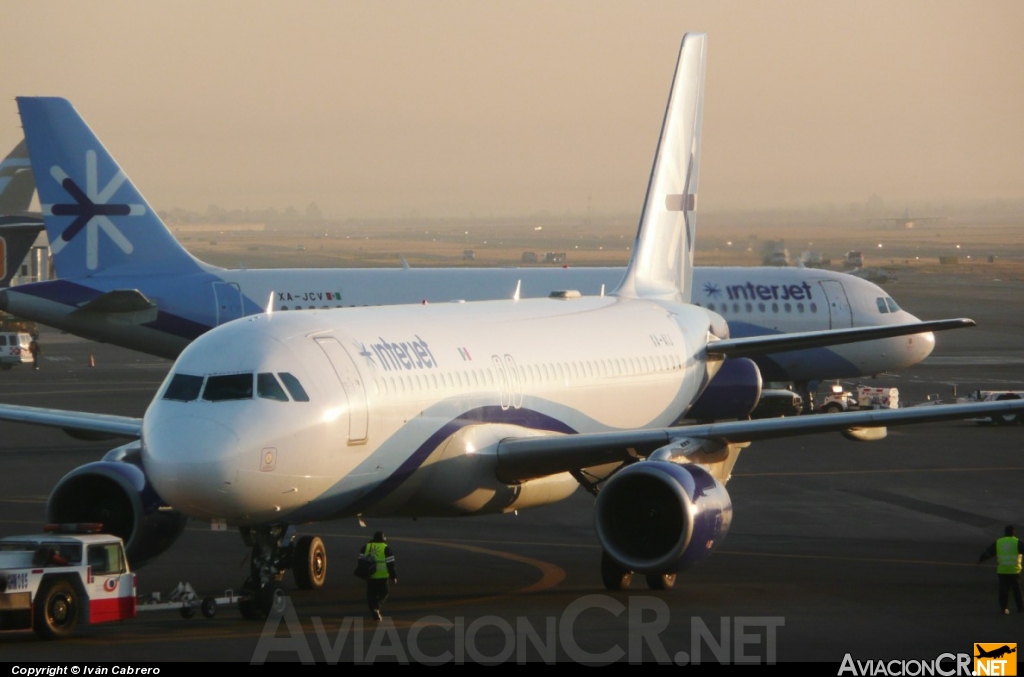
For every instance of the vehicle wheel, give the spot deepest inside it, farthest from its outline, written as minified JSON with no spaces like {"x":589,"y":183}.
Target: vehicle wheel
{"x":310,"y":563}
{"x":1006,"y":419}
{"x":187,"y":611}
{"x":208,"y":607}
{"x":833,"y":408}
{"x":56,"y":610}
{"x":613,"y":575}
{"x":661,"y":581}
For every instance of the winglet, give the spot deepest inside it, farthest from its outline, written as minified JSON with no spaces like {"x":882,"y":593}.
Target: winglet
{"x":97,"y":221}
{"x":662,"y":262}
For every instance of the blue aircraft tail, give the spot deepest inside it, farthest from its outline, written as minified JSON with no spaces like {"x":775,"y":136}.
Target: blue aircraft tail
{"x":97,"y":221}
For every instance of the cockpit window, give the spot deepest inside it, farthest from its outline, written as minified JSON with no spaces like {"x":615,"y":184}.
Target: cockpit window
{"x":268,"y":388}
{"x":294,"y":387}
{"x":184,"y":388}
{"x":882,"y":308}
{"x":228,"y":387}
{"x":892,"y":304}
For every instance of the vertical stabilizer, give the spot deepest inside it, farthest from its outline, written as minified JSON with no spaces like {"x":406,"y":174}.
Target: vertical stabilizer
{"x":97,"y":221}
{"x":662,"y":262}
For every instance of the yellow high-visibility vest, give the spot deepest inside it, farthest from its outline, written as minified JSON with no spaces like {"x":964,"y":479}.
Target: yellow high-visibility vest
{"x":1008,"y":555}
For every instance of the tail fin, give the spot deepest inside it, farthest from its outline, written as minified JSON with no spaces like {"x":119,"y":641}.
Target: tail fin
{"x":662,"y":262}
{"x":97,"y":221}
{"x":16,"y":183}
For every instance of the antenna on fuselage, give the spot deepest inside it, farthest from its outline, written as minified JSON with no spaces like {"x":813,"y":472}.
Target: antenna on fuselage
{"x":269,"y":310}
{"x":519,"y":286}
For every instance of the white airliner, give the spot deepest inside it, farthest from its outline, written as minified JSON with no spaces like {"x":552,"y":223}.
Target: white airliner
{"x":18,"y":228}
{"x":125,"y":280}
{"x":457,"y":409}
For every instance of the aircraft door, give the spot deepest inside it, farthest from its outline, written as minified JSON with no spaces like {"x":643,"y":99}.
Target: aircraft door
{"x":352,"y":384}
{"x":229,"y":301}
{"x":839,"y":310}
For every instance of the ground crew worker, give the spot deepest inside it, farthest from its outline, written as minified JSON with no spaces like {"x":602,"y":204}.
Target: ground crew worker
{"x":1007,"y":551}
{"x":378,"y":585}
{"x":35,"y":350}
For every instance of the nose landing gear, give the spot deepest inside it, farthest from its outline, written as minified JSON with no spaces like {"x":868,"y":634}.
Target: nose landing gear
{"x":275,"y":550}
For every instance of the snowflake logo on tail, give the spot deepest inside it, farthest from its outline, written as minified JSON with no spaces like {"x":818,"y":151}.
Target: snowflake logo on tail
{"x":92,"y":209}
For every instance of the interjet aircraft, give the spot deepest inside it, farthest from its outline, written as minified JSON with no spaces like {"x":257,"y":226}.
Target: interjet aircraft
{"x":288,"y":418}
{"x":125,"y":280}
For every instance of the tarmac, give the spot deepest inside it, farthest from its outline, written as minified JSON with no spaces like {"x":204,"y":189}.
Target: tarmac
{"x":837,"y":548}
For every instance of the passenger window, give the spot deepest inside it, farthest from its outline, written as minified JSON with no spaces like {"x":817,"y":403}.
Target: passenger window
{"x":294,"y":387}
{"x":760,"y":307}
{"x":814,"y":307}
{"x":800,"y":307}
{"x":775,"y":307}
{"x":788,"y":307}
{"x":892,"y":304}
{"x":184,"y":388}
{"x":268,"y":388}
{"x":228,"y":387}
{"x":882,"y":308}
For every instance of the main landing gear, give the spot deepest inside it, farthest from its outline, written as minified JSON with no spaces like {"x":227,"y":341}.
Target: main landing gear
{"x":275,"y":551}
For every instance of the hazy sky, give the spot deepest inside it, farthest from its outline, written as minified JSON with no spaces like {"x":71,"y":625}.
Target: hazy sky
{"x":459,"y":108}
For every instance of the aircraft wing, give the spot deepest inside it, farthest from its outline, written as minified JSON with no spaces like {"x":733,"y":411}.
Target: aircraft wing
{"x":779,"y":343}
{"x":520,"y":459}
{"x":75,"y":422}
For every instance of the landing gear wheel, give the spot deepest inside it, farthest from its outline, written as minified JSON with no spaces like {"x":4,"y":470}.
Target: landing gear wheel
{"x":613,"y":575}
{"x":833,"y":408}
{"x":310,"y":563}
{"x":271,"y":598}
{"x":56,"y":610}
{"x":208,"y":607}
{"x":661,"y":581}
{"x":247,"y":602}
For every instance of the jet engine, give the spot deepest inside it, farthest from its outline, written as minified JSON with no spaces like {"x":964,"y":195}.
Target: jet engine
{"x":732,"y":393}
{"x":116,"y":493}
{"x":658,"y":517}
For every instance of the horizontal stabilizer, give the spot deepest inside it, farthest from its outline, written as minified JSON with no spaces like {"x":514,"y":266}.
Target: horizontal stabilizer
{"x":780,"y":343}
{"x":118,"y":301}
{"x":522,"y":459}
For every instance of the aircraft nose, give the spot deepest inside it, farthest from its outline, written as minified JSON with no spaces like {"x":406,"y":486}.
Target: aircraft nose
{"x":192,"y":463}
{"x":924,"y":344}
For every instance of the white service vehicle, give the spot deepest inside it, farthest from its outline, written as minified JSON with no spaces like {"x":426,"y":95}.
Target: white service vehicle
{"x":71,"y":574}
{"x":14,"y":349}
{"x":864,"y":397}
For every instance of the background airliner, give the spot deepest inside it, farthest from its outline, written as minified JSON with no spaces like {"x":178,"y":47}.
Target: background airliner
{"x":18,"y":228}
{"x":457,"y":409}
{"x":125,"y":280}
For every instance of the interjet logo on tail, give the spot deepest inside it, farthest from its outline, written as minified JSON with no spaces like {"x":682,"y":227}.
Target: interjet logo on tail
{"x":91,"y":209}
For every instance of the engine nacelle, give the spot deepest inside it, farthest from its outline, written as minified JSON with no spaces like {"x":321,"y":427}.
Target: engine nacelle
{"x":732,"y":393}
{"x":117,"y":494}
{"x":656,"y":517}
